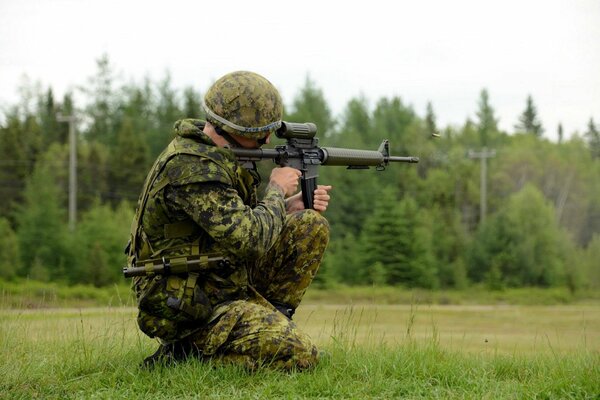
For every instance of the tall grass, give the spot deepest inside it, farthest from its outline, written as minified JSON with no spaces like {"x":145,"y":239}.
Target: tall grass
{"x":95,"y":354}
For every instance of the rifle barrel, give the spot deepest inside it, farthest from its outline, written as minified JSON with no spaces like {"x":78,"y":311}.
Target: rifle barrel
{"x":403,"y":159}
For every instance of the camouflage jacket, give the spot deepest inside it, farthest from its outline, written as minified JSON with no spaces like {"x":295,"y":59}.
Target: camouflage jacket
{"x":198,"y":199}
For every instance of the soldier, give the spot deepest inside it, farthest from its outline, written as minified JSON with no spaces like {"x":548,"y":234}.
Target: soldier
{"x":198,"y":200}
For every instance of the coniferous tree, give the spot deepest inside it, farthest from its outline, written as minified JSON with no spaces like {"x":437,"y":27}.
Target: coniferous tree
{"x":191,"y":103}
{"x":20,"y":145}
{"x":129,"y":162}
{"x":167,"y":112}
{"x":590,"y":270}
{"x":47,"y":110}
{"x":41,"y":227}
{"x":102,"y":103}
{"x":430,"y":119}
{"x":593,"y":138}
{"x":487,"y":123}
{"x":9,"y":249}
{"x":342,"y":260}
{"x":353,"y":190}
{"x":529,"y":121}
{"x":93,"y":175}
{"x":391,"y":120}
{"x":310,"y":106}
{"x":393,"y":236}
{"x":560,"y":133}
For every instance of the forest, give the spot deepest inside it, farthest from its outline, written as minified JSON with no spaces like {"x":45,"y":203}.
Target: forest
{"x":413,"y":225}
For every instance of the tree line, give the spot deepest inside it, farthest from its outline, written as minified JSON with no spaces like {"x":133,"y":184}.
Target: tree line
{"x":413,"y":225}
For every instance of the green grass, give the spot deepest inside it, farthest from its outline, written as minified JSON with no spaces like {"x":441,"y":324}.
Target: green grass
{"x":29,"y":294}
{"x":32,"y":294}
{"x":375,"y":352}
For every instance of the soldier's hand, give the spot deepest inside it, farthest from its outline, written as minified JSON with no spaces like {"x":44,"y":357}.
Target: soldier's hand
{"x":286,"y":178}
{"x":321,"y":197}
{"x":320,"y":200}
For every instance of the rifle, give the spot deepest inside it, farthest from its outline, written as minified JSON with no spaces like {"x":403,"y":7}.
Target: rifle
{"x":302,"y":152}
{"x":176,"y":265}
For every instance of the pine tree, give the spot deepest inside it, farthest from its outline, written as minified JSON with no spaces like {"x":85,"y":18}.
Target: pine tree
{"x":529,"y":121}
{"x":391,"y":120}
{"x":353,"y":190}
{"x":41,"y":227}
{"x":102,"y":103}
{"x":129,"y":162}
{"x":47,"y":110}
{"x":560,"y":133}
{"x":191,"y":103}
{"x":167,"y":112}
{"x":310,"y":106}
{"x":393,"y":236}
{"x":9,"y":249}
{"x":487,"y":123}
{"x":93,"y":174}
{"x":593,"y":138}
{"x":20,"y":145}
{"x":430,"y":119}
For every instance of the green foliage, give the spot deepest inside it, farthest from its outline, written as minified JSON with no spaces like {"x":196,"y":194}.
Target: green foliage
{"x":426,"y":220}
{"x":9,"y":249}
{"x":98,"y":245}
{"x":100,"y":89}
{"x":191,"y":103}
{"x":395,"y":236}
{"x":521,"y":245}
{"x":310,"y":106}
{"x":487,"y":123}
{"x":41,"y":228}
{"x":590,"y":263}
{"x":593,"y":137}
{"x":128,"y":163}
{"x":430,"y":119}
{"x":20,"y":145}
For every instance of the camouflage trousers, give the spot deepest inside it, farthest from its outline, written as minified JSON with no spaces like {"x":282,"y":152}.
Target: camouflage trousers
{"x":252,"y":332}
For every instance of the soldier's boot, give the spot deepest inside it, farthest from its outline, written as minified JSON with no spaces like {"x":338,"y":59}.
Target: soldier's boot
{"x":171,"y":353}
{"x":285,"y":309}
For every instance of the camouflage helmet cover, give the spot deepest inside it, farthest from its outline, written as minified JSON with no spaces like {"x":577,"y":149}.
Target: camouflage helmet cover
{"x":244,"y":103}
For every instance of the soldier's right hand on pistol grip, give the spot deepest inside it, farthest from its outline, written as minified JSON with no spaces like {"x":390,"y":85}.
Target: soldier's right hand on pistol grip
{"x":286,"y":178}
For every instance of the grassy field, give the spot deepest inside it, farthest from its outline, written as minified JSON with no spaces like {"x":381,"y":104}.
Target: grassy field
{"x":376,"y":351}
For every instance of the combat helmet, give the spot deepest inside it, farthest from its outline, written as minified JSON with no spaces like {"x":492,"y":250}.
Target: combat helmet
{"x":244,"y":103}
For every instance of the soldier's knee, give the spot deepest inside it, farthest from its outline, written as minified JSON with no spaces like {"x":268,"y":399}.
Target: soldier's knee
{"x":312,"y":221}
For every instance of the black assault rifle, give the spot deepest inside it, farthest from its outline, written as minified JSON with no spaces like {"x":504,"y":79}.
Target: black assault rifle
{"x":302,"y":152}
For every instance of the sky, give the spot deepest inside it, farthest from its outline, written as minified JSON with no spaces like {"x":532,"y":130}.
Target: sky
{"x":443,"y":52}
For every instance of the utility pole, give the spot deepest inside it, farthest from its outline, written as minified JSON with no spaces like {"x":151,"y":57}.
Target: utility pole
{"x":72,"y":120}
{"x":483,"y":155}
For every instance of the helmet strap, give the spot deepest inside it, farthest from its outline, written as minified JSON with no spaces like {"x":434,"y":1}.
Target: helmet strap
{"x":227,"y":136}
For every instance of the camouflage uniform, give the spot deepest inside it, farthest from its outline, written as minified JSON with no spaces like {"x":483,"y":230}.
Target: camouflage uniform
{"x":199,"y":200}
